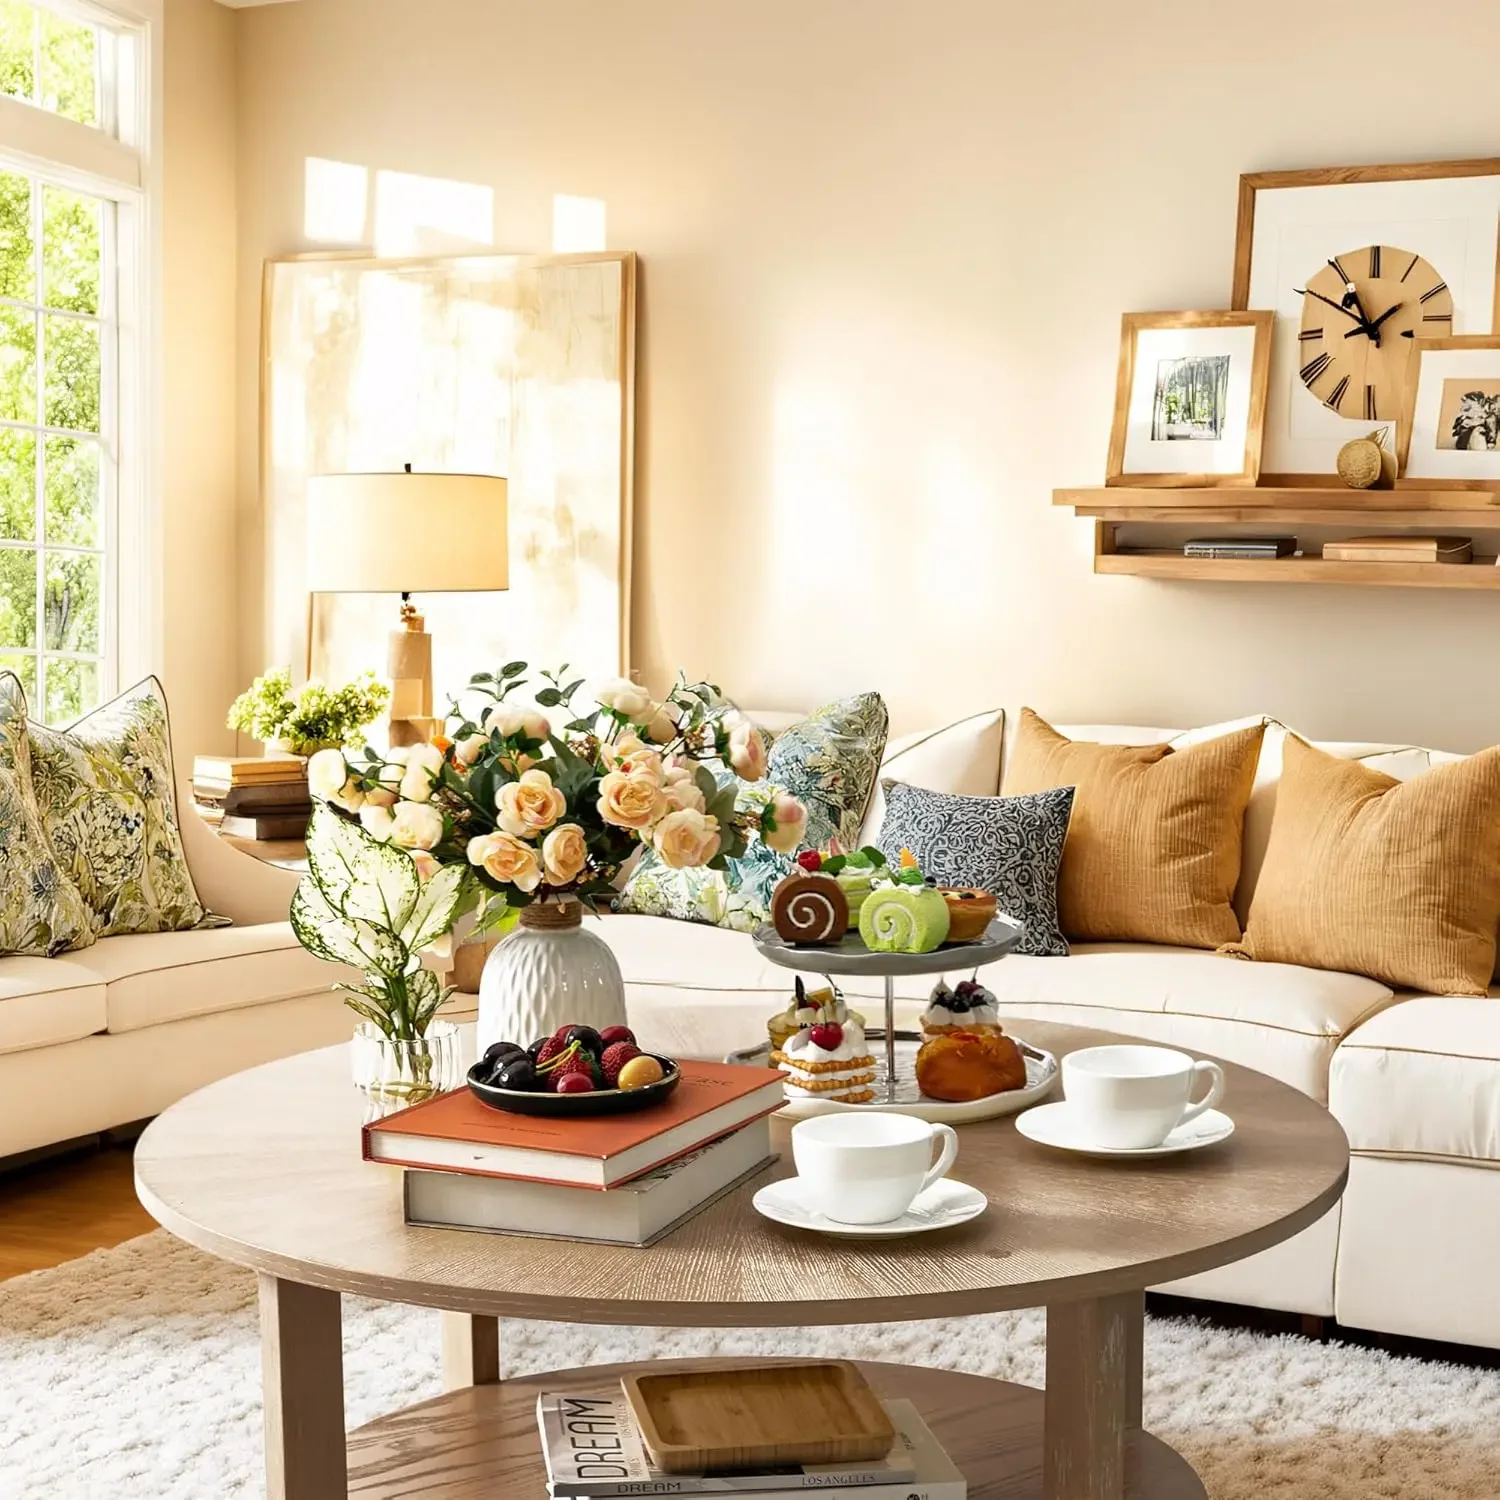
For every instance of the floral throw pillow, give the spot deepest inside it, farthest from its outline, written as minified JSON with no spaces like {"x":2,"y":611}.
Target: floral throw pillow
{"x":41,"y":911}
{"x":830,"y":760}
{"x":1009,"y":846}
{"x":109,"y":801}
{"x":738,"y":897}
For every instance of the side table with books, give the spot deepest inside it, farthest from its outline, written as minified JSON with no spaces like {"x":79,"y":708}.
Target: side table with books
{"x":259,"y":804}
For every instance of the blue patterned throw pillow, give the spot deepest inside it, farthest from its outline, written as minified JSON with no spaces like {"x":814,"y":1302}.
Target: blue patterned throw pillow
{"x":830,"y":761}
{"x":1011,"y":846}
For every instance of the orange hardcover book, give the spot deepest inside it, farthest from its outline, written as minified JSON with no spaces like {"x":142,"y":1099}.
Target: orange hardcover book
{"x":456,"y":1133}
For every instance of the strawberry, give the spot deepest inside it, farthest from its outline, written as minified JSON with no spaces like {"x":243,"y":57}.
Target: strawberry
{"x":615,"y":1058}
{"x":579,"y":1062}
{"x":829,"y":1036}
{"x":810,"y":860}
{"x":552,"y":1047}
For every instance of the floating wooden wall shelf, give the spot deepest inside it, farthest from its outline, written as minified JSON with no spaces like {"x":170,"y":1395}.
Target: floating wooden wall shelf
{"x":1278,"y":509}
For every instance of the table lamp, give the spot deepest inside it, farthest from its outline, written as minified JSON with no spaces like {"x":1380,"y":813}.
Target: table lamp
{"x":407,"y":534}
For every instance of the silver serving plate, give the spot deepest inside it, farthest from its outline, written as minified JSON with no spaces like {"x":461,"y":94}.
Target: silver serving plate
{"x":900,"y":1094}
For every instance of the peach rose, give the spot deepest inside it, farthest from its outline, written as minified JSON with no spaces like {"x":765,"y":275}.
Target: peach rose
{"x":468,"y":749}
{"x":622,"y":748}
{"x":747,"y":748}
{"x":663,"y":723}
{"x":684,"y":793}
{"x":628,"y":699}
{"x":427,"y":865}
{"x":791,"y":824}
{"x":376,"y":821}
{"x":642,"y":762}
{"x":630,"y":801}
{"x":530,"y":806}
{"x":416,"y":825}
{"x":564,"y":854}
{"x":686,"y":839}
{"x":506,"y":859}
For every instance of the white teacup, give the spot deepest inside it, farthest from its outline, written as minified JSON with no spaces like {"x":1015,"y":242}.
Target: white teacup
{"x":867,"y":1168}
{"x":1134,"y":1097}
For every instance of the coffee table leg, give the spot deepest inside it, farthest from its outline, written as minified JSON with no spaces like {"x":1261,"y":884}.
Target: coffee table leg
{"x":471,"y":1351}
{"x":302,"y":1372}
{"x":1093,"y":1415}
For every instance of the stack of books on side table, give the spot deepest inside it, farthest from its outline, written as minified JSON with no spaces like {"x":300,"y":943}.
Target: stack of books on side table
{"x":622,"y":1179}
{"x":254,"y":797}
{"x":1417,"y":549}
{"x":593,"y":1451}
{"x":1249,"y":548}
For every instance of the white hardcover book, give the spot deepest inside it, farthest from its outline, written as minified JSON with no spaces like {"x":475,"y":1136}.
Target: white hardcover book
{"x":593,"y":1451}
{"x":634,"y":1213}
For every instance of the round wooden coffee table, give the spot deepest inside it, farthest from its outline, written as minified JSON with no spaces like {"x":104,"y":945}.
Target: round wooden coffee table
{"x":264,"y":1169}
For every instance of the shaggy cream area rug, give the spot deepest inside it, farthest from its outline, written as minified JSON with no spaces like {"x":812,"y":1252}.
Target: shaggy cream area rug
{"x":133,"y":1374}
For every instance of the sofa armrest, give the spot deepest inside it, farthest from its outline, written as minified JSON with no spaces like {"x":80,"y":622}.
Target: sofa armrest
{"x":229,"y":882}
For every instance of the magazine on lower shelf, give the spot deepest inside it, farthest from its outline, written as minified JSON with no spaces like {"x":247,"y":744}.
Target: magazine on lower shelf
{"x":593,"y":1451}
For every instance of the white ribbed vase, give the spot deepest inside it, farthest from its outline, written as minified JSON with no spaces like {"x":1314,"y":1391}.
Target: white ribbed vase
{"x":550,"y":971}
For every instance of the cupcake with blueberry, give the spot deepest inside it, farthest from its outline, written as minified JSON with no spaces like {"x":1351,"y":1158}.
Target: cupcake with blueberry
{"x":967,"y":1006}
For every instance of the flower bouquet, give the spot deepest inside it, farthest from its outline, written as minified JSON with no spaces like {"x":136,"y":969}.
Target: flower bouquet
{"x":535,"y":807}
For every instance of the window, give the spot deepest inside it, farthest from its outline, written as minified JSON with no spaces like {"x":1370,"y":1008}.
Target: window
{"x":73,"y":371}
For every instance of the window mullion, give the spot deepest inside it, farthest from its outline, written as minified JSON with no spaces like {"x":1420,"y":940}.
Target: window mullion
{"x":39,"y":521}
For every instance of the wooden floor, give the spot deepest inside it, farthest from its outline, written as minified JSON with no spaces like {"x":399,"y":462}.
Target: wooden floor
{"x":59,"y":1210}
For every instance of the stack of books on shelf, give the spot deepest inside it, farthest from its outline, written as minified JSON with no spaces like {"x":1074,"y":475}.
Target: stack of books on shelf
{"x":1251,"y":548}
{"x":618,"y":1179}
{"x":593,"y":1451}
{"x":253,"y":797}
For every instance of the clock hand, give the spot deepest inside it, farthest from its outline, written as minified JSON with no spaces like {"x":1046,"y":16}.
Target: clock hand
{"x":1390,"y":311}
{"x":1337,"y":307}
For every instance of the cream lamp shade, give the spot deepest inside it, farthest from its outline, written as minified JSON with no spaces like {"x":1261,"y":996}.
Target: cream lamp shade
{"x":406,"y":533}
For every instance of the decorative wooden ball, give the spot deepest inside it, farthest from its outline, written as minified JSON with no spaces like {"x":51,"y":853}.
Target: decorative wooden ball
{"x":1364,"y":465}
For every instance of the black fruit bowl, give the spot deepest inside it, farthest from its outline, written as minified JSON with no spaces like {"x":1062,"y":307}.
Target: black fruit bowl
{"x":576,"y":1106}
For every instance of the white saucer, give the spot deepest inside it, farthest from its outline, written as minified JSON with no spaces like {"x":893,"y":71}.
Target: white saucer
{"x":945,"y":1204}
{"x":1054,"y":1125}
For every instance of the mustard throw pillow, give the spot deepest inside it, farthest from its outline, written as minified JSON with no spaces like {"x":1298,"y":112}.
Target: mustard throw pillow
{"x":1399,"y":880}
{"x":1153,"y":851}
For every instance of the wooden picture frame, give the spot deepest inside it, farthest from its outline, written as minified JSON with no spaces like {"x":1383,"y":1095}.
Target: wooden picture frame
{"x":1140,"y":434}
{"x":1427,"y":410}
{"x":1441,"y":210}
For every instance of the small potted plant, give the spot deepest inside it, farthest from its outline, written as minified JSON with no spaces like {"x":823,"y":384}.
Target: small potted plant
{"x":315,"y":718}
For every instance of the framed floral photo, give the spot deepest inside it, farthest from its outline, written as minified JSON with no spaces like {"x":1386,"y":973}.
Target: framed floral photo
{"x":1449,"y":432}
{"x":1190,"y":401}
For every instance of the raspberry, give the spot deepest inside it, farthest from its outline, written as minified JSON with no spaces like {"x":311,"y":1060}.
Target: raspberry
{"x":615,"y":1058}
{"x":810,"y":860}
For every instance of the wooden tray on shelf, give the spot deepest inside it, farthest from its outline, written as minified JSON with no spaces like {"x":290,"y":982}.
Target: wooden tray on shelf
{"x":758,"y":1416}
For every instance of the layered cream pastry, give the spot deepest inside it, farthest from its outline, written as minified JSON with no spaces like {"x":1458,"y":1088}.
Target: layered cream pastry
{"x":968,"y":1006}
{"x":829,"y":1061}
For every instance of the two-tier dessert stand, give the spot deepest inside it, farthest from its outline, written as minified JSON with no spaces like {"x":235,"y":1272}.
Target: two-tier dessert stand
{"x":896,"y":1080}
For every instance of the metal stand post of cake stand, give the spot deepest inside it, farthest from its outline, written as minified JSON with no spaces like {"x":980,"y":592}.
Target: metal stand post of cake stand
{"x":898,"y":1089}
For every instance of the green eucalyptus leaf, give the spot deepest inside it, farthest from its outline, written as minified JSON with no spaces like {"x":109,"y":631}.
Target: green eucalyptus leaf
{"x":513,"y":669}
{"x":549,"y":697}
{"x":706,"y":782}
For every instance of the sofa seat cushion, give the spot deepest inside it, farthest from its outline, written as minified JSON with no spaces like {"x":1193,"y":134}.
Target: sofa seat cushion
{"x":1280,"y":1018}
{"x":1422,"y":1079}
{"x":152,"y":978}
{"x":44,"y":1001}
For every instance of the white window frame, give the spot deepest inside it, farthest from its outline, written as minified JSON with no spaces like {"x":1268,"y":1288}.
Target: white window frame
{"x":119,"y":160}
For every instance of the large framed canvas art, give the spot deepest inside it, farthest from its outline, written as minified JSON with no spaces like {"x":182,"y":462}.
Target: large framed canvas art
{"x":520,"y":366}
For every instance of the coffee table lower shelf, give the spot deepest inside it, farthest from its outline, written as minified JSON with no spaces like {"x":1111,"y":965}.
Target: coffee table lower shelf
{"x":481,"y":1442}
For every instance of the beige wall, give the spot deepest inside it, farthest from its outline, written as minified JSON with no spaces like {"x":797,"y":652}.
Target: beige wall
{"x":886,"y":247}
{"x":199,"y":565}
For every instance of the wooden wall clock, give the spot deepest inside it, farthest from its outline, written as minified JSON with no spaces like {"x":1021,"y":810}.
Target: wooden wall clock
{"x":1358,"y":263}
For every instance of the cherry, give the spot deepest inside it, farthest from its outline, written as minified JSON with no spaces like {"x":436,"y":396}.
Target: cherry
{"x":828,"y":1036}
{"x":575,"y":1083}
{"x":612,"y":1034}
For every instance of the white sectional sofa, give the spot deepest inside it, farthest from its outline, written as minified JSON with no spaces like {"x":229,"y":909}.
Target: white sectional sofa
{"x":1414,"y":1079}
{"x":116,"y":1032}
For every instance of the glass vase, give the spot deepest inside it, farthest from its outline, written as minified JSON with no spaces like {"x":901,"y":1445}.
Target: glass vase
{"x":550,"y":971}
{"x":409,"y":1071}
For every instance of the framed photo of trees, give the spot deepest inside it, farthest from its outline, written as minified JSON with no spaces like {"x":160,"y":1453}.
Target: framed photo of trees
{"x":1190,"y":401}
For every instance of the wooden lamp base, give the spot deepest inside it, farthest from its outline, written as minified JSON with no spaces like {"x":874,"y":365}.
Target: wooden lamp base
{"x":409,"y":667}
